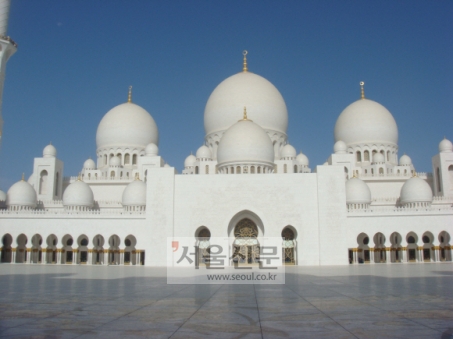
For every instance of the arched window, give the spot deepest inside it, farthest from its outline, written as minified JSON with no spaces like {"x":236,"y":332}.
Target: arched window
{"x":196,"y":169}
{"x":359,"y":156}
{"x":295,"y":168}
{"x":43,"y":182}
{"x":366,"y":156}
{"x":134,"y":159}
{"x":127,"y":159}
{"x":285,"y":168}
{"x":252,"y":170}
{"x":105,"y":159}
{"x":259,"y":169}
{"x":388,"y":155}
{"x":381,"y":170}
{"x":238,"y":170}
{"x":232,"y":170}
{"x":207,"y":169}
{"x":439,"y":186}
{"x":112,"y":174}
{"x":57,"y":180}
{"x":450,"y":171}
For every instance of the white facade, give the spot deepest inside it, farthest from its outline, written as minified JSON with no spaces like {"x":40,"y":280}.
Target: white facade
{"x":362,"y":206}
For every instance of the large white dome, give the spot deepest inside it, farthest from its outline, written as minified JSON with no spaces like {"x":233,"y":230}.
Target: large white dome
{"x":263,"y":101}
{"x":21,"y":194}
{"x":135,"y":194}
{"x":416,"y":190}
{"x":245,"y":142}
{"x":78,"y":194}
{"x":366,"y":122}
{"x":127,"y":125}
{"x":357,"y":192}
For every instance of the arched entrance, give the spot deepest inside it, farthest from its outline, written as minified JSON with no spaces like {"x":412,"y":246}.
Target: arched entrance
{"x":51,"y":251}
{"x":396,"y":248}
{"x":203,"y":237}
{"x":444,"y":246}
{"x":36,"y":250}
{"x":6,"y":256}
{"x":363,"y":250}
{"x":98,"y":250}
{"x":288,"y":247}
{"x":246,"y":248}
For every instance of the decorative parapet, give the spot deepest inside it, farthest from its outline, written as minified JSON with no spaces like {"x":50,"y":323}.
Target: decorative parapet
{"x":117,"y":212}
{"x":422,"y":175}
{"x":95,"y":179}
{"x":401,"y":210}
{"x":7,"y":38}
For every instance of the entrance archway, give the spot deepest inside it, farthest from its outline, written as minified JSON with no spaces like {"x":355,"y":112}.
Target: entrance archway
{"x":288,"y":246}
{"x":203,"y":236}
{"x":7,"y":240}
{"x":246,"y":248}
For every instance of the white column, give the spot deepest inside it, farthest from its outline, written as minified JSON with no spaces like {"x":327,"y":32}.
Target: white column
{"x":27,"y":252}
{"x":13,"y":255}
{"x":372,"y":261}
{"x":388,"y":254}
{"x":59,"y":256}
{"x":90,"y":257}
{"x":404,"y":253}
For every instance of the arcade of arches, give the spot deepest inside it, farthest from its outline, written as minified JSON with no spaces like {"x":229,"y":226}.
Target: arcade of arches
{"x":70,"y":250}
{"x":416,"y":249}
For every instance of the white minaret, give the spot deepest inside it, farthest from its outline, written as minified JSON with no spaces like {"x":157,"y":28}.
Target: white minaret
{"x":7,"y":48}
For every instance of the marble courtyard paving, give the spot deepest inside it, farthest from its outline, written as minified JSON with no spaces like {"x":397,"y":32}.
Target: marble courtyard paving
{"x":362,"y":301}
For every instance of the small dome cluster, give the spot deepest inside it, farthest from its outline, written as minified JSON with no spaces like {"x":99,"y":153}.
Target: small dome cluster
{"x":203,"y":153}
{"x":21,"y":196}
{"x":358,"y":194}
{"x":78,"y":196}
{"x":405,"y":160}
{"x":244,"y":144}
{"x":288,"y":152}
{"x":416,"y":192}
{"x":340,"y":147}
{"x":49,"y":151}
{"x":134,"y":196}
{"x":445,"y":146}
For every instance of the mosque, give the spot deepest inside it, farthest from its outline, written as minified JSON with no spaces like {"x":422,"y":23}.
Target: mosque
{"x":365,"y":205}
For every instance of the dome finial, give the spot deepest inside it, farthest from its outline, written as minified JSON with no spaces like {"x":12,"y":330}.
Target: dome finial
{"x":244,"y":67}
{"x":129,"y":97}
{"x":362,"y":90}
{"x":23,"y":177}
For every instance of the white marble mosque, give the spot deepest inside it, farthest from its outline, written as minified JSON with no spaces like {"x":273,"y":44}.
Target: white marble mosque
{"x":365,"y":205}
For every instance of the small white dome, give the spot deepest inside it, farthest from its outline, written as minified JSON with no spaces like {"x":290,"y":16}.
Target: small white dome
{"x":445,"y":146}
{"x":204,"y":153}
{"x":357,"y":192}
{"x":302,"y":159}
{"x":288,"y":151}
{"x":340,"y":147}
{"x":245,"y":142}
{"x":151,"y":150}
{"x":366,"y":122}
{"x":378,"y":158}
{"x":264,"y":104}
{"x":190,"y":161}
{"x":415,"y":190}
{"x":2,"y":196}
{"x":127,"y":125}
{"x":405,"y":160}
{"x":49,"y":151}
{"x":115,"y":161}
{"x":21,"y":194}
{"x":78,"y":194}
{"x":89,"y":164}
{"x":135,"y":194}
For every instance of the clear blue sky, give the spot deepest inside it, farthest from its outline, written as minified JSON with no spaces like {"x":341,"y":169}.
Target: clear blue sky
{"x":76,"y":60}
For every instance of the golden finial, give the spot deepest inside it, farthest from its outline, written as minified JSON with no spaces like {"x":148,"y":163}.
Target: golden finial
{"x":362,"y":90}
{"x":244,"y":67}
{"x":414,"y":174}
{"x":129,"y":97}
{"x":137,"y":176}
{"x":23,"y":177}
{"x":244,"y":118}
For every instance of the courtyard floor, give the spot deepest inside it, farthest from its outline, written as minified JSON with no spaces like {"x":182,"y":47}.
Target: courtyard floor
{"x":360,"y":301}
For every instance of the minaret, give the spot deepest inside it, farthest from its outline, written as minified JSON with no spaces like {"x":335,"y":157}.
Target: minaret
{"x":7,"y":48}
